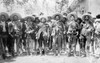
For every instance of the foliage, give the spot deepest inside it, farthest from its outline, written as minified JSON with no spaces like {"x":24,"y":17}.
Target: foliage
{"x":35,"y":6}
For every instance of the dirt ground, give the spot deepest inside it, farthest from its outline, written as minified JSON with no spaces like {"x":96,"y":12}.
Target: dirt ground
{"x":51,"y":59}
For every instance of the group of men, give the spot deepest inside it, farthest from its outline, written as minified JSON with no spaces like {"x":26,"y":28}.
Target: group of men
{"x":69,"y":34}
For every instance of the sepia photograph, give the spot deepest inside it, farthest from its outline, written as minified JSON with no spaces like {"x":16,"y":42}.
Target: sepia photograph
{"x":49,"y":31}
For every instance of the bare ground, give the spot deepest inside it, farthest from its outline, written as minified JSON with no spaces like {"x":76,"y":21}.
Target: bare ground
{"x":51,"y":59}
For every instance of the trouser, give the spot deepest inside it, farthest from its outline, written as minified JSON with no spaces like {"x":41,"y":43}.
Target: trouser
{"x":43,"y":43}
{"x":50,"y":42}
{"x":1,"y":47}
{"x":18,"y":42}
{"x":57,"y":44}
{"x":88,"y":43}
{"x":72,"y":43}
{"x":5,"y":46}
{"x":82,"y":43}
{"x":29,"y":44}
{"x":64,"y":41}
{"x":24,"y":37}
{"x":24,"y":43}
{"x":4,"y":41}
{"x":40,"y":42}
{"x":11,"y":45}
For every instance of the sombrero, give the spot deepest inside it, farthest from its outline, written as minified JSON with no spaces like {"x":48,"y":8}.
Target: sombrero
{"x":29,"y":17}
{"x":15,"y":14}
{"x":65,"y":14}
{"x":54,"y":16}
{"x":87,"y":14}
{"x":43,"y":18}
{"x":4,"y":14}
{"x":72,"y":14}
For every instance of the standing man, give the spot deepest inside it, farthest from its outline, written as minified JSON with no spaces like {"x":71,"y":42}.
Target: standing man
{"x":4,"y":33}
{"x":72,"y":33}
{"x":87,"y":31}
{"x":17,"y":32}
{"x":31,"y":36}
{"x":49,"y":19}
{"x":57,"y":33}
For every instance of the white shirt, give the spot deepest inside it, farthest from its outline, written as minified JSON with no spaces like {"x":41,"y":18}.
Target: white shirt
{"x":4,"y":25}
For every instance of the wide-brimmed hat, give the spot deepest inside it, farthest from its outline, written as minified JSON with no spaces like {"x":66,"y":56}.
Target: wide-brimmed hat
{"x":65,"y":14}
{"x":15,"y":14}
{"x":29,"y":17}
{"x":87,"y":14}
{"x":43,"y":18}
{"x":4,"y":14}
{"x":54,"y":16}
{"x":72,"y":14}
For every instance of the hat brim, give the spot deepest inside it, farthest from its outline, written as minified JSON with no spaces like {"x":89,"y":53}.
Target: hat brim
{"x":72,"y":14}
{"x":61,"y":17}
{"x":29,"y":17}
{"x":4,"y":14}
{"x":15,"y":14}
{"x":90,"y":17}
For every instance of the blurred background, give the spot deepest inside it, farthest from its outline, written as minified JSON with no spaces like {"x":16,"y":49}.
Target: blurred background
{"x":49,"y":7}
